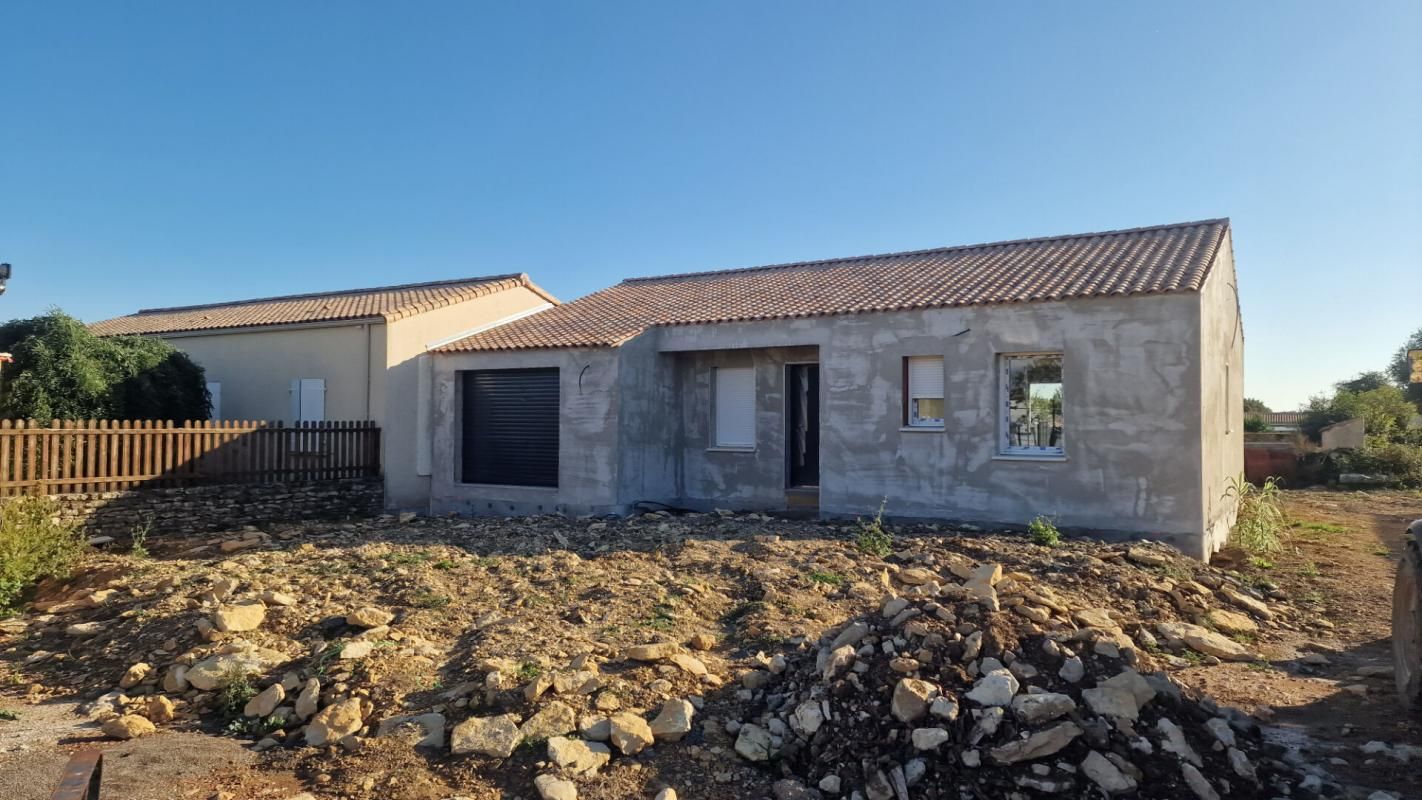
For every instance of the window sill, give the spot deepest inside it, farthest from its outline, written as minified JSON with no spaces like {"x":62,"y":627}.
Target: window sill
{"x":729,"y":449}
{"x":922,"y":429}
{"x":1030,"y":457}
{"x":519,"y":486}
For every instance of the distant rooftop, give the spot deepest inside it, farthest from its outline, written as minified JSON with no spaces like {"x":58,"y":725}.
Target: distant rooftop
{"x":389,"y":303}
{"x":1138,"y":261}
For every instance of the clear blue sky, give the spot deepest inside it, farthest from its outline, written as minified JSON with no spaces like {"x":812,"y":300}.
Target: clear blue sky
{"x":158,"y":154}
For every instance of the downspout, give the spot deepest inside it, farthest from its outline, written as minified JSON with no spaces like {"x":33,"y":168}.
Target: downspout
{"x":367,"y":370}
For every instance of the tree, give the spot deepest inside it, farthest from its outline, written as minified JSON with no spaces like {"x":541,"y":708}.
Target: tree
{"x":1400,"y":369}
{"x":1255,"y":406}
{"x":1363,"y":382}
{"x":1384,"y":411}
{"x":63,"y":371}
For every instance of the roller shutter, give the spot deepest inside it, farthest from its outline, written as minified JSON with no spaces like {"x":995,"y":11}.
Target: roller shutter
{"x":511,"y":421}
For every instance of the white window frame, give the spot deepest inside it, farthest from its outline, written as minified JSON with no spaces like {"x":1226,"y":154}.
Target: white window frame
{"x":732,"y":427}
{"x":1006,"y":447}
{"x":914,"y":390}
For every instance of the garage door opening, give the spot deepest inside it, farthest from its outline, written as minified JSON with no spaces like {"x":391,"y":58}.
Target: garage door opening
{"x":510,"y":427}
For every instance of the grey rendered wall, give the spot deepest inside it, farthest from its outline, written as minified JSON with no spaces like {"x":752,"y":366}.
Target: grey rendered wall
{"x":587,"y":446}
{"x":1222,"y":398}
{"x":648,"y":429}
{"x":1132,"y":394}
{"x":727,"y":478}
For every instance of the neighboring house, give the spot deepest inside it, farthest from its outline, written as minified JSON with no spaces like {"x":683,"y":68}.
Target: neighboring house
{"x":1282,"y":421}
{"x":1093,"y":379}
{"x":346,"y":355}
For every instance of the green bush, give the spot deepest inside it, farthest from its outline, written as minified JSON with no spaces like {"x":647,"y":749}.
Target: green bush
{"x":1253,"y":424}
{"x":1259,"y":520}
{"x":873,"y":538}
{"x":1044,"y":532}
{"x":1400,"y":462}
{"x":33,"y":546}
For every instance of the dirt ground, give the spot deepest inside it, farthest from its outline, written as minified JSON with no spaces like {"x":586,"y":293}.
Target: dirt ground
{"x":536,"y":594}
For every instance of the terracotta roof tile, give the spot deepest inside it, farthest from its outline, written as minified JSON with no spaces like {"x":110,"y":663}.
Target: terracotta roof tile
{"x":1156,"y":260}
{"x":386,"y":302}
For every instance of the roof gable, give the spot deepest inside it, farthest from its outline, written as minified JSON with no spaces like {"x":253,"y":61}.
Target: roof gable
{"x":1138,"y":261}
{"x":389,"y":303}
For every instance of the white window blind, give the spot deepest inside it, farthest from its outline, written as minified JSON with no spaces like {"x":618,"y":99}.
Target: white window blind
{"x":735,"y":407}
{"x":308,"y":399}
{"x":925,"y":390}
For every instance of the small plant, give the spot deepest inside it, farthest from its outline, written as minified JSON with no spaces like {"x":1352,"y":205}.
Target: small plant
{"x":8,"y":715}
{"x":235,"y":689}
{"x":444,"y":564}
{"x":528,"y":670}
{"x":1309,"y":570}
{"x":828,"y":578}
{"x":1253,"y":424}
{"x":253,"y":726}
{"x":325,"y":657}
{"x":403,"y":559}
{"x":34,"y":545}
{"x":1259,"y":666}
{"x":430,"y":600}
{"x":1380,"y":550}
{"x":1260,"y":562}
{"x":1260,"y":514}
{"x":1044,"y":532}
{"x":873,"y":539}
{"x":1318,"y":527}
{"x":138,"y":538}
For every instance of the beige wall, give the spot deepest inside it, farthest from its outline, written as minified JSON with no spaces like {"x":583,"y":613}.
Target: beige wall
{"x":398,"y":391}
{"x":256,"y":367}
{"x":1221,"y":366}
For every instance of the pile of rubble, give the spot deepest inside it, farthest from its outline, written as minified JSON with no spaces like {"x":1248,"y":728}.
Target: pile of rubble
{"x":942,"y":694}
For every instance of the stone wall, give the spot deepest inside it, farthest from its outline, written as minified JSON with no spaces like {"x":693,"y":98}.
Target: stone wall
{"x":225,"y":507}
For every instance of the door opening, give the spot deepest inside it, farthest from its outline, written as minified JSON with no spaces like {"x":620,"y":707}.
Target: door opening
{"x":803,"y":424}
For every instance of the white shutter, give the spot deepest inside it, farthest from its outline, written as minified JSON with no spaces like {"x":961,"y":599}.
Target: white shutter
{"x":214,"y":390}
{"x":313,"y":399}
{"x":925,"y":376}
{"x":735,"y":407}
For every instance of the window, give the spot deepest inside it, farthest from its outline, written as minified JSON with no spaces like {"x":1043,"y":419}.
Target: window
{"x":1032,"y":404}
{"x":510,"y":427}
{"x":735,"y":407}
{"x":923,"y":391}
{"x":308,"y":399}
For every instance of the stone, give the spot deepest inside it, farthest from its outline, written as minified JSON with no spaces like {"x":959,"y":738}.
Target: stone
{"x":666,"y":794}
{"x":830,"y":784}
{"x":554,"y":719}
{"x":754,"y":743}
{"x":837,"y":661}
{"x":996,"y":688}
{"x":1112,"y":701}
{"x":1146,"y":557}
{"x":306,"y":702}
{"x":245,"y":615}
{"x":496,"y":737}
{"x":928,"y":738}
{"x":160,"y":709}
{"x":674,"y":721}
{"x":944,"y":707}
{"x":334,"y":722}
{"x":176,"y":679}
{"x":353,"y":650}
{"x":430,"y":726}
{"x":134,"y":675}
{"x":1173,"y":741}
{"x":1247,"y":602}
{"x":1241,"y":765}
{"x":1205,"y":641}
{"x":1223,"y":733}
{"x":279,"y":599}
{"x":688,"y":663}
{"x":1230,"y":623}
{"x":1034,"y":709}
{"x":808,"y":718}
{"x":595,"y":728}
{"x":1095,"y":618}
{"x":629,"y":733}
{"x":577,"y":756}
{"x":128,"y":726}
{"x":1039,"y":745}
{"x":369,"y":617}
{"x":84,"y":629}
{"x":1133,"y":682}
{"x":916,"y":576}
{"x":1072,"y":670}
{"x":702,"y":641}
{"x":1198,"y":783}
{"x":911,"y":699}
{"x":1106,"y":775}
{"x":213,"y":672}
{"x":851,"y":635}
{"x":551,"y":787}
{"x":652,"y":652}
{"x":265,"y":702}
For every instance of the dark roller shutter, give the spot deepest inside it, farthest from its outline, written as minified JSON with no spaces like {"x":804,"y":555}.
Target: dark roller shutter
{"x":511,"y":427}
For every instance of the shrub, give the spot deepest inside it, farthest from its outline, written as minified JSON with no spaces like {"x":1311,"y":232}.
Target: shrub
{"x":1399,"y":462}
{"x":33,"y":546}
{"x":1044,"y":532}
{"x":1259,"y":520}
{"x":873,"y":539}
{"x":1253,"y":424}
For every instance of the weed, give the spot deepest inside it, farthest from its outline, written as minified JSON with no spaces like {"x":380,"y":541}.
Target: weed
{"x":430,"y":600}
{"x":444,"y":564}
{"x":1382,"y":551}
{"x":253,"y":726}
{"x":403,"y":559}
{"x":1176,"y":572}
{"x":1313,"y":597}
{"x":487,"y":562}
{"x":1260,"y":514}
{"x":1309,"y":570}
{"x":662,"y":617}
{"x":1195,"y":659}
{"x":138,"y":538}
{"x":873,"y":539}
{"x":528,"y":670}
{"x":324,"y":659}
{"x":830,"y":578}
{"x":33,"y":546}
{"x":1259,"y":666}
{"x":1260,"y":562}
{"x":235,"y":690}
{"x":1318,"y":527}
{"x":8,"y":715}
{"x":1044,"y":532}
{"x":743,"y":610}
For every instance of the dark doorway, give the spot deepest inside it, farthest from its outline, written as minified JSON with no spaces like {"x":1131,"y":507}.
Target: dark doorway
{"x":803,"y":428}
{"x":511,"y":427}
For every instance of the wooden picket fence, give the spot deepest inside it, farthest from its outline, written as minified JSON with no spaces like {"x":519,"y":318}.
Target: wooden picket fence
{"x":68,"y":456}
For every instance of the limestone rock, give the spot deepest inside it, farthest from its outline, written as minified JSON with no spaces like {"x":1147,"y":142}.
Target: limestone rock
{"x":135,"y":675}
{"x":629,"y":733}
{"x":1112,"y":701}
{"x":1205,"y":641}
{"x":1106,"y":775}
{"x":245,"y":615}
{"x":1173,"y":741}
{"x":430,"y":726}
{"x":1034,"y":709}
{"x":1072,"y":670}
{"x":306,"y":702}
{"x":369,"y":617}
{"x":1146,"y":557}
{"x":754,"y":743}
{"x":1230,"y":623}
{"x":674,"y":721}
{"x":128,"y":726}
{"x":577,"y":756}
{"x":554,"y":719}
{"x":265,"y":702}
{"x":551,"y":787}
{"x":996,"y":688}
{"x":1039,"y":745}
{"x":928,"y":738}
{"x":486,"y":736}
{"x":160,"y":709}
{"x":652,"y":652}
{"x":176,"y":679}
{"x":1133,"y":682}
{"x":911,"y":699}
{"x":1198,"y":783}
{"x":334,"y":722}
{"x":212,"y":672}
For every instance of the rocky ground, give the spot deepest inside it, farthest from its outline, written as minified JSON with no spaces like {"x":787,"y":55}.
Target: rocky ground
{"x":714,"y":656}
